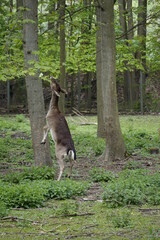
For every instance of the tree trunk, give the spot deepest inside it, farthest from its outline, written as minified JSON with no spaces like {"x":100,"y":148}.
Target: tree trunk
{"x":99,"y":76}
{"x":89,"y":74}
{"x":122,"y":17}
{"x":11,"y":5}
{"x":127,"y":74}
{"x":141,"y":55}
{"x":142,"y":29}
{"x":130,"y":37}
{"x":106,"y":82}
{"x":62,"y":53}
{"x":72,"y":91}
{"x":51,"y":10}
{"x":89,"y":91}
{"x":34,"y":84}
{"x":19,"y":3}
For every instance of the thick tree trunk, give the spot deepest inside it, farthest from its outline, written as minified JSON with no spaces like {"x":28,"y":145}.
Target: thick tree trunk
{"x":106,"y":82}
{"x":62,"y":53}
{"x":34,"y":84}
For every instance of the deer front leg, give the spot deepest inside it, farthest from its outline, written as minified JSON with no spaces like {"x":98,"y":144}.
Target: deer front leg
{"x":45,"y":133}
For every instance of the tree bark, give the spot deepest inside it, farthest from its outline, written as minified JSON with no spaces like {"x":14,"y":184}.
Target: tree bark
{"x":51,"y":10}
{"x":133,"y":84}
{"x":141,"y":55}
{"x":62,"y":53}
{"x":99,"y":66}
{"x":34,"y":84}
{"x":19,"y":3}
{"x":127,"y":76}
{"x":106,"y":82}
{"x":142,"y":30}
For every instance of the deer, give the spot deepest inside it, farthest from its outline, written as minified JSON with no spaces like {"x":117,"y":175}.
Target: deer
{"x":60,"y":133}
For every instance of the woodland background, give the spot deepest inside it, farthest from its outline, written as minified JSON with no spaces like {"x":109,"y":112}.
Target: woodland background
{"x":114,"y":191}
{"x":137,"y":28}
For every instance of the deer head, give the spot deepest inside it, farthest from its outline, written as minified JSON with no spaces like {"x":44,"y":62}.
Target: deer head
{"x":55,"y":87}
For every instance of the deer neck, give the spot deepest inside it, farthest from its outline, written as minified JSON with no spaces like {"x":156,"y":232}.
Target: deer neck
{"x":54,"y":102}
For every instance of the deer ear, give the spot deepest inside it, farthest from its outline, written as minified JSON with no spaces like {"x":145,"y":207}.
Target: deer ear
{"x":52,"y":79}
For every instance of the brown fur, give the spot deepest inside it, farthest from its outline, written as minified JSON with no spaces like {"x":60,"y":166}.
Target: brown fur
{"x":60,"y":132}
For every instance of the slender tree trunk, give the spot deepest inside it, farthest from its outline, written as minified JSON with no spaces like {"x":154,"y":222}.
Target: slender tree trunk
{"x":11,"y":5}
{"x":89,"y":75}
{"x":19,"y":3}
{"x":130,"y":37}
{"x":89,"y":92}
{"x":141,"y":55}
{"x":62,"y":53}
{"x":106,"y":82}
{"x":126,"y":75}
{"x":79,"y":89}
{"x":34,"y":84}
{"x":72,"y":91}
{"x":51,"y":10}
{"x":122,"y":17}
{"x":72,"y":77}
{"x":142,"y":30}
{"x":99,"y":65}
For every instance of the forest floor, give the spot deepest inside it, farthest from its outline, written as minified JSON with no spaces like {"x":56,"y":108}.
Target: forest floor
{"x":82,"y":217}
{"x":84,"y":165}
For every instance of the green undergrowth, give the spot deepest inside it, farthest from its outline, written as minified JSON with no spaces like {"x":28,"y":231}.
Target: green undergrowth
{"x":133,"y":187}
{"x":32,"y":194}
{"x":101,"y":175}
{"x":31,"y":173}
{"x":141,"y":133}
{"x":34,"y":206}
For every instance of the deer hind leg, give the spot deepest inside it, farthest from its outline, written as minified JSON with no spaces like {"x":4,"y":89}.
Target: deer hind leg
{"x":61,"y":166}
{"x":45,"y":133}
{"x":71,"y":159}
{"x":70,"y":170}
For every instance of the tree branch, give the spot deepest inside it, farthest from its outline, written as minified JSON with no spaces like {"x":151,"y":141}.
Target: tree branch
{"x":138,"y":24}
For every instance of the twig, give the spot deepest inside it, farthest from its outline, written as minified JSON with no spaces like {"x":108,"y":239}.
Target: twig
{"x":149,"y":209}
{"x":14,"y":218}
{"x":83,"y":120}
{"x":74,"y":215}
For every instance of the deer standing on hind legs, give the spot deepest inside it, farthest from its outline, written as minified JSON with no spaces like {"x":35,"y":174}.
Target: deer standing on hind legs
{"x":58,"y":127}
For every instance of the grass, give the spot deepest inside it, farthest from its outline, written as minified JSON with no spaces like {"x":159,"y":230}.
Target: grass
{"x":140,"y":134}
{"x":54,"y":222}
{"x":54,"y":210}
